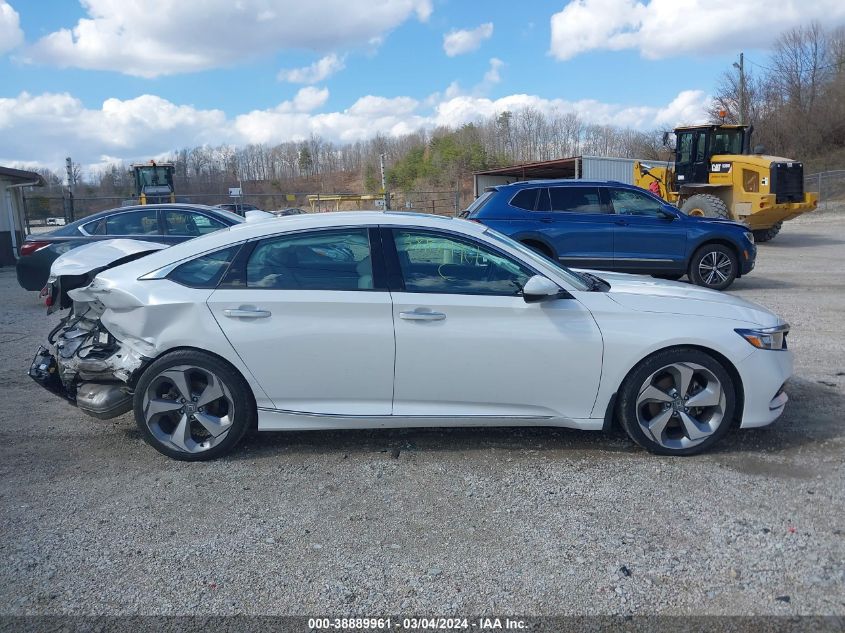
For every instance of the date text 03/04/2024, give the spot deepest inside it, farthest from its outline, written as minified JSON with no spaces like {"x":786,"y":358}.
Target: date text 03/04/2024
{"x":416,"y":624}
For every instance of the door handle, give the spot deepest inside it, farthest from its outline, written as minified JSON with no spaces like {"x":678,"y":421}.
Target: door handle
{"x":246,"y":312}
{"x":422,"y":316}
{"x":547,"y":220}
{"x":621,"y":222}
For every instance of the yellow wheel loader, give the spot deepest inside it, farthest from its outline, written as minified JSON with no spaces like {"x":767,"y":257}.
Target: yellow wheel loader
{"x":153,"y":182}
{"x":716,"y":175}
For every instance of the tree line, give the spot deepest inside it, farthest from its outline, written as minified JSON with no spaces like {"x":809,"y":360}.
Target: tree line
{"x":795,"y":98}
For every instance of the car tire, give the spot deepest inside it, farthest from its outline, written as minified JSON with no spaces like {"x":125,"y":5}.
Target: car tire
{"x":192,"y":406}
{"x":654,"y":404}
{"x":764,"y":235}
{"x":705,"y":205}
{"x":713,"y":266}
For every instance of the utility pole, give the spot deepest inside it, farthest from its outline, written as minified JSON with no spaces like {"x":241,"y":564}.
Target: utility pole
{"x":384,"y":185}
{"x":69,"y":205}
{"x":742,"y":104}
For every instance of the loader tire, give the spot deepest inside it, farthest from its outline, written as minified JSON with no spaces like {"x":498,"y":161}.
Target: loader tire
{"x":706,"y":205}
{"x":764,"y":235}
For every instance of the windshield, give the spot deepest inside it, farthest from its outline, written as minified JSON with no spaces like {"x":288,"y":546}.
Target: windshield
{"x":727,"y":142}
{"x":154,"y":177}
{"x":570,"y":275}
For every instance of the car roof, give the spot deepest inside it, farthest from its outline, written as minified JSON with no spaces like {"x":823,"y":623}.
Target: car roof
{"x":148,"y":207}
{"x":275,"y":225}
{"x":562,"y":182}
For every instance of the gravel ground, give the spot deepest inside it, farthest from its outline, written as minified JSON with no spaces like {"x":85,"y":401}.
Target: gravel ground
{"x":520,"y":521}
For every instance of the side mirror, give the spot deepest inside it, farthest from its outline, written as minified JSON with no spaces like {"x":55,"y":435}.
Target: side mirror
{"x":539,"y":288}
{"x":668,"y":215}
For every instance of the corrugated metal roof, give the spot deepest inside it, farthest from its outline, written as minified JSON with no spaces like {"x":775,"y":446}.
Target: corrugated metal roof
{"x":20,"y":176}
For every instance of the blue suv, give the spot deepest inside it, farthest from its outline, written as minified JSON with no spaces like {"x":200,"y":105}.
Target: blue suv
{"x":614,"y":226}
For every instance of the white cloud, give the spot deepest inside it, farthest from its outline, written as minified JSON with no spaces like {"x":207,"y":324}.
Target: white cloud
{"x":320,"y":70}
{"x":664,"y":28}
{"x":463,"y":41}
{"x":43,"y":129}
{"x":11,"y":35}
{"x":150,"y":38}
{"x":492,"y":76}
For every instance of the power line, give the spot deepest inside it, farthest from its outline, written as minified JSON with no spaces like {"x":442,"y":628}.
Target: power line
{"x":772,"y":70}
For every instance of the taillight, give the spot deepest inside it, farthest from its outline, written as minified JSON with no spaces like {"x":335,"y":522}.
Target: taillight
{"x":28,"y":248}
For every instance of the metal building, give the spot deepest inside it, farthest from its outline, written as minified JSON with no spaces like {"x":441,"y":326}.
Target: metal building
{"x":575,"y":167}
{"x":12,"y":214}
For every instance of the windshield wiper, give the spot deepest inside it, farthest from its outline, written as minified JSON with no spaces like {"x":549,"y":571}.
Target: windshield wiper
{"x":596,"y":284}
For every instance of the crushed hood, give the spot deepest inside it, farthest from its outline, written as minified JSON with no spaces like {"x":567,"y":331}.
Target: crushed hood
{"x":647,"y":294}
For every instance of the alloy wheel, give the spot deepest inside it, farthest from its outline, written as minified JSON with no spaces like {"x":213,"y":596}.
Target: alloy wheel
{"x":188,"y":409}
{"x":681,"y":405}
{"x":714,"y":268}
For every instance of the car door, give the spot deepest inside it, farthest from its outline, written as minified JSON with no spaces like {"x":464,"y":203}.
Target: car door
{"x":578,"y":225}
{"x":645,"y":238}
{"x":310,"y":315}
{"x":469,"y":346}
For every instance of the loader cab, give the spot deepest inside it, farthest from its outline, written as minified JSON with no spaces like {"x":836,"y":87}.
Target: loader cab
{"x":153,"y":182}
{"x":696,"y":146}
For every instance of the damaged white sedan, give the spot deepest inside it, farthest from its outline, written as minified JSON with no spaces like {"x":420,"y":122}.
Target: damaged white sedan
{"x":369,"y":320}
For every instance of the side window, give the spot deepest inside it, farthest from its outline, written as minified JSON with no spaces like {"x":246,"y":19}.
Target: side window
{"x":322,"y":260}
{"x":700,"y":147}
{"x":133,"y":223}
{"x":205,"y":271}
{"x":629,"y":202}
{"x":97,"y":227}
{"x":525,"y":199}
{"x":436,"y":263}
{"x":575,"y":199}
{"x":190,"y":224}
{"x":685,"y":147}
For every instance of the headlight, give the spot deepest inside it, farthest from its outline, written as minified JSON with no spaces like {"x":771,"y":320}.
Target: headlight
{"x":749,"y":236}
{"x":766,"y":338}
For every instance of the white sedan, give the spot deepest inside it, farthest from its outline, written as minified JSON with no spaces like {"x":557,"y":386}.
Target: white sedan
{"x":378,"y":320}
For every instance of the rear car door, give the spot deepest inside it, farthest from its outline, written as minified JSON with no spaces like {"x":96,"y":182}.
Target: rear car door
{"x":310,"y":315}
{"x":645,"y":240}
{"x":469,"y":346}
{"x":579,"y":225}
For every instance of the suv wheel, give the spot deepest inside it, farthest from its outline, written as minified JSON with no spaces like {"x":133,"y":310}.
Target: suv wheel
{"x":714,"y":266}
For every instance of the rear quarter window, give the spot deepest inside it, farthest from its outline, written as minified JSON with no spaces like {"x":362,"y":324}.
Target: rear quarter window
{"x":205,"y":271}
{"x":525,"y":199}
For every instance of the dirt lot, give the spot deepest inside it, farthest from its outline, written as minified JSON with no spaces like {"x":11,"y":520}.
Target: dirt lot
{"x":537,"y":521}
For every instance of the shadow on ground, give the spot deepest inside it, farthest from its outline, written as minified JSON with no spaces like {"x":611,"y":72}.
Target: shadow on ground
{"x":788,"y":238}
{"x":810,"y":420}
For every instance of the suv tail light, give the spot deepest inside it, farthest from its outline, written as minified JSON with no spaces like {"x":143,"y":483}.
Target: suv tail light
{"x":28,"y":248}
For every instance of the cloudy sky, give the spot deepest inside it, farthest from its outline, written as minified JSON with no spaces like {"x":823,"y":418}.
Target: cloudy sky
{"x":104,"y":80}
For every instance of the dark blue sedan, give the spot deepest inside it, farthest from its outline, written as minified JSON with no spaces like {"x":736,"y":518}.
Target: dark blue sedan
{"x":614,"y":226}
